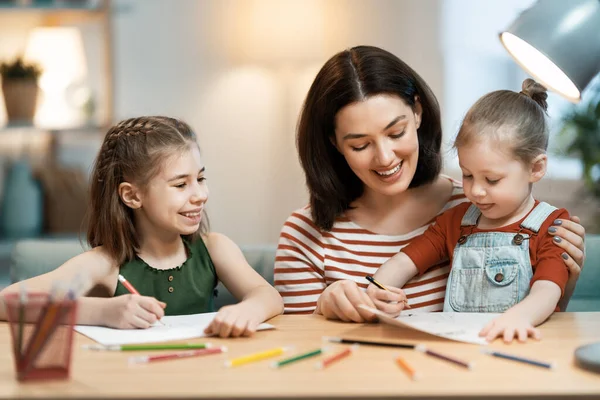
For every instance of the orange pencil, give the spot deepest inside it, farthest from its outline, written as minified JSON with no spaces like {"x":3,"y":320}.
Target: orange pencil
{"x":410,"y":371}
{"x":336,"y":357}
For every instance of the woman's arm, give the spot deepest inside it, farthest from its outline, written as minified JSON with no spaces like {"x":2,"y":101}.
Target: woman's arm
{"x":259,"y":301}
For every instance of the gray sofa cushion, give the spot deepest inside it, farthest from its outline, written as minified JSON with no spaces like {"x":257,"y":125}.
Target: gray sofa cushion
{"x":34,"y":257}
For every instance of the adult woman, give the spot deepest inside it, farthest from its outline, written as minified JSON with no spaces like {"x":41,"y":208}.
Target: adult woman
{"x":369,"y":141}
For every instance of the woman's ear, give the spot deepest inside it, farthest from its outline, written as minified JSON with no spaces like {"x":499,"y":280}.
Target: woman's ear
{"x":418,"y":112}
{"x":130,"y":195}
{"x":538,"y":168}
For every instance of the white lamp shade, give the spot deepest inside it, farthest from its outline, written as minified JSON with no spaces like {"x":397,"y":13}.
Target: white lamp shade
{"x":60,"y":53}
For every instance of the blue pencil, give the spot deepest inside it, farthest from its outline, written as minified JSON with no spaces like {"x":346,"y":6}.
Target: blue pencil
{"x":518,"y":359}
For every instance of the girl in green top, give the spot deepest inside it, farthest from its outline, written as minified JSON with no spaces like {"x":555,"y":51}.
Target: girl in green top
{"x":147,"y":223}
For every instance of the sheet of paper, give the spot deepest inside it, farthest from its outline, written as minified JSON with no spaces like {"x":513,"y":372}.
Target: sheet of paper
{"x":462,"y":327}
{"x":178,"y":327}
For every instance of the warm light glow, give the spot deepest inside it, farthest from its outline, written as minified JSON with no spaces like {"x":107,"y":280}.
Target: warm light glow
{"x":540,"y":67}
{"x":60,"y":53}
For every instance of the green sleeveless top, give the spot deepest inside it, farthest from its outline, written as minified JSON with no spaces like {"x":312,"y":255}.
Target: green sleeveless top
{"x":187,"y":289}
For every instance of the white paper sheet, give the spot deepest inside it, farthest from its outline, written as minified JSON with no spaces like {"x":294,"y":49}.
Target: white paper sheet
{"x":178,"y":327}
{"x":462,"y":327}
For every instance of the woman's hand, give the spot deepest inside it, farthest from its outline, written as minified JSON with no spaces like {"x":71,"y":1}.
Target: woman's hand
{"x":570,"y":235}
{"x":391,"y":301}
{"x":132,"y":311}
{"x":341,"y":300}
{"x":234,"y":321}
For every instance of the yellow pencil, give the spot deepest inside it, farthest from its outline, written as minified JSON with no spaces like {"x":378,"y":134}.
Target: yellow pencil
{"x":256,"y":357}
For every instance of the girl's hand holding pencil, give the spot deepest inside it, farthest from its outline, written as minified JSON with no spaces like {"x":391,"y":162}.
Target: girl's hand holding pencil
{"x":132,"y":312}
{"x":389,"y":299}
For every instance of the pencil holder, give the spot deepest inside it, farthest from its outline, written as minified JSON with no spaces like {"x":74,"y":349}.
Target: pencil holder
{"x":41,"y":329}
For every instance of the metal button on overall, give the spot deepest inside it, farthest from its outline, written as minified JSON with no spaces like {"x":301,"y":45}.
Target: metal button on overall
{"x":518,"y":239}
{"x":171,"y":289}
{"x":462,"y":239}
{"x":499,"y":277}
{"x":170,"y":278}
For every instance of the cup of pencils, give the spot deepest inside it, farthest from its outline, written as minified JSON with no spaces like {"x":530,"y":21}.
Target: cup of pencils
{"x":41,"y":327}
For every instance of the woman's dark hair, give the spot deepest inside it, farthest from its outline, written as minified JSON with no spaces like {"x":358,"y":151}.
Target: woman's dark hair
{"x":133,"y":151}
{"x":350,"y":76}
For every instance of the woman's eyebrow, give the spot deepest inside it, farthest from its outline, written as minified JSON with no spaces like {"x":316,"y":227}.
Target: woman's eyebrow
{"x":359,"y":135}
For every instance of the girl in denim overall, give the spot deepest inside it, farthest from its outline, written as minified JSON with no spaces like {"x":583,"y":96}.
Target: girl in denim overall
{"x":502,"y":258}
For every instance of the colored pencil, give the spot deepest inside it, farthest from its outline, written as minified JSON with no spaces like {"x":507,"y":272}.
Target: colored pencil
{"x":145,"y":347}
{"x":178,"y":355}
{"x":519,"y":359}
{"x":368,"y":342}
{"x":132,"y":290}
{"x":435,"y":354}
{"x":278,"y":364}
{"x":236,"y":362}
{"x":374,"y":282}
{"x":406,"y":367}
{"x":336,"y":357}
{"x":128,"y":285}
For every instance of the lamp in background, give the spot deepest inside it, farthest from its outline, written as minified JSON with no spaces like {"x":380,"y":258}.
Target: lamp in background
{"x":60,"y":53}
{"x":558,"y":43}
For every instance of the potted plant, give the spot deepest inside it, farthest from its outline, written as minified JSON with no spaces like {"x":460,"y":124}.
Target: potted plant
{"x":19,"y":85}
{"x":581,"y":129}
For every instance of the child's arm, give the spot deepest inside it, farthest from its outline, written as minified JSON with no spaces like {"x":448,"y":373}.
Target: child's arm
{"x":88,"y":270}
{"x":521,"y":319}
{"x":259,"y":301}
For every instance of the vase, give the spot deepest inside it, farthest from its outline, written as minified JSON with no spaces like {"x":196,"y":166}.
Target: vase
{"x":20,"y":99}
{"x":22,"y":208}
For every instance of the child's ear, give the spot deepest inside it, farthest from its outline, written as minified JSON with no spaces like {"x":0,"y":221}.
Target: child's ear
{"x":538,"y":168}
{"x":130,"y":195}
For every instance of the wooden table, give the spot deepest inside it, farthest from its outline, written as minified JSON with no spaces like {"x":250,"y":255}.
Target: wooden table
{"x":369,"y":373}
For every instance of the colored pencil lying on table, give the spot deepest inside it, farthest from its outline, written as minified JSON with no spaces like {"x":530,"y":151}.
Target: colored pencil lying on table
{"x":145,"y":347}
{"x":303,"y":356}
{"x":256,"y":357}
{"x":435,"y":354}
{"x":336,"y":357}
{"x":178,"y":355}
{"x":368,"y":342}
{"x":518,"y":359}
{"x":406,"y":367}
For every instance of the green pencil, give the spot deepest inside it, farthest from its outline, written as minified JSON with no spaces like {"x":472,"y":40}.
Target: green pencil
{"x":299,"y":357}
{"x":145,"y":347}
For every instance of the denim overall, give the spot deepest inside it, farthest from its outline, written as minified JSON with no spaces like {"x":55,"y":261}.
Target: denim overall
{"x":491,"y":271}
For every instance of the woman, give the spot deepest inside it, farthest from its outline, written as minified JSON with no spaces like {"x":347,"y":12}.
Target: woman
{"x":369,"y":140}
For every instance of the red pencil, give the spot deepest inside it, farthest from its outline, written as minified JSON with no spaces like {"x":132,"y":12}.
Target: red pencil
{"x":180,"y":354}
{"x":336,"y":357}
{"x":127,"y":285}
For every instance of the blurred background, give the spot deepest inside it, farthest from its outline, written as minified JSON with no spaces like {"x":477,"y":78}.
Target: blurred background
{"x":237,"y":71}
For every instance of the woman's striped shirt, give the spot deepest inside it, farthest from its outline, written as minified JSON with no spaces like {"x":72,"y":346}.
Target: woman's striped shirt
{"x":308,"y":259}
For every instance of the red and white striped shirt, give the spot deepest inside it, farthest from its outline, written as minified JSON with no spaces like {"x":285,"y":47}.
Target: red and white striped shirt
{"x":309,"y":259}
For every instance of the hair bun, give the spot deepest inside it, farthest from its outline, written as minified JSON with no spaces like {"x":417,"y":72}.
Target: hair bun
{"x":536,"y":92}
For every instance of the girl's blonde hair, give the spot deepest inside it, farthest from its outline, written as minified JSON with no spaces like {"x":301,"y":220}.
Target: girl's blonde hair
{"x":133,"y":150}
{"x":515,"y":119}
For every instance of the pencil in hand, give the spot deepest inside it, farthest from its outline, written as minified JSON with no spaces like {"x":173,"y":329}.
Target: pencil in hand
{"x":133,"y":290}
{"x":380,"y":286}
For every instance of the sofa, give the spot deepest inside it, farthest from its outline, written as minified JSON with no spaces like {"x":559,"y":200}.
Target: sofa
{"x":37,"y":256}
{"x":33,"y":257}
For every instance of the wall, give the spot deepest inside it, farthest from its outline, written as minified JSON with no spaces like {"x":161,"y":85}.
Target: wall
{"x":218,"y":65}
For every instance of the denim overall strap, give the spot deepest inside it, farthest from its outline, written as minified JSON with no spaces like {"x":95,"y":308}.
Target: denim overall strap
{"x":536,"y":218}
{"x":471,"y":216}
